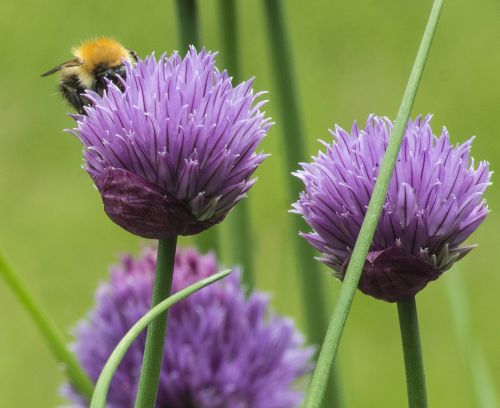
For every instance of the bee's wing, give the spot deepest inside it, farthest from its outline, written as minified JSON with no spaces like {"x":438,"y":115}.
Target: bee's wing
{"x":72,"y":63}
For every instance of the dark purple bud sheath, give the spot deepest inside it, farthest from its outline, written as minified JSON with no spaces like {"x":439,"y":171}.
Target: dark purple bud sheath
{"x":224,"y":349}
{"x":171,"y":150}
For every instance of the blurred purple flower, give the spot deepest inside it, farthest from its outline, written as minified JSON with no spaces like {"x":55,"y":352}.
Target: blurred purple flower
{"x":172,"y":149}
{"x":224,"y":350}
{"x":435,"y":201}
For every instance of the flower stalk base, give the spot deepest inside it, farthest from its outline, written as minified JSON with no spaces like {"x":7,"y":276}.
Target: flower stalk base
{"x":155,"y":340}
{"x":412,"y":350}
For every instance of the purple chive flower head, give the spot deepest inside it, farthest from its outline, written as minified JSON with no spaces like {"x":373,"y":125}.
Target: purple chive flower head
{"x":172,"y":149}
{"x":224,"y":350}
{"x":435,"y":201}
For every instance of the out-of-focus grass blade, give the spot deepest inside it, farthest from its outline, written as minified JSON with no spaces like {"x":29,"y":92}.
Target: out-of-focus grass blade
{"x":187,"y":16}
{"x":241,"y":243}
{"x":484,"y":389}
{"x":48,"y":329}
{"x":290,"y":123}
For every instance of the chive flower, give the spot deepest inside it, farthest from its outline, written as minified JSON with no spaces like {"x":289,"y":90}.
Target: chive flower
{"x":173,"y":147}
{"x":435,"y":201}
{"x":224,"y":349}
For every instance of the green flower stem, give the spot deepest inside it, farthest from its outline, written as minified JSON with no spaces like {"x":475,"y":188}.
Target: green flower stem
{"x":240,"y":231}
{"x":412,"y":350}
{"x":51,"y":334}
{"x":351,"y":279}
{"x":155,"y":339}
{"x":295,"y":152}
{"x":482,"y":380}
{"x":188,"y":25}
{"x":114,"y":360}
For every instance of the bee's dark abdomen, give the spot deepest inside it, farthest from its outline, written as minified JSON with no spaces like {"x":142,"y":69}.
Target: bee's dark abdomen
{"x":72,"y":90}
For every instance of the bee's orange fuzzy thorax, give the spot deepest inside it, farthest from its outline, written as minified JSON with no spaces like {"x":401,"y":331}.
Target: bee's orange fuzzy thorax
{"x":103,"y":51}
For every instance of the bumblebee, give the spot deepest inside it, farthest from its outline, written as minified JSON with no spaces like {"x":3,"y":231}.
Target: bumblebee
{"x":94,"y":62}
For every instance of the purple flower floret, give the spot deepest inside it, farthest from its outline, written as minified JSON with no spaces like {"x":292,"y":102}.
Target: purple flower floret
{"x":435,"y":201}
{"x":173,"y":148}
{"x":224,"y":350}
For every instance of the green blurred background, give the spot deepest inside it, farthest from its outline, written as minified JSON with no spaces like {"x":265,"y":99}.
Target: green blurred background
{"x":352,"y":58}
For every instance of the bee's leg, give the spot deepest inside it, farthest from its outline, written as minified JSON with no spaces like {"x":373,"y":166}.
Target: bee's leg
{"x":73,"y":96}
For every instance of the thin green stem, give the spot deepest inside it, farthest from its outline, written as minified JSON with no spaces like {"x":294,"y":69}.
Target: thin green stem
{"x":187,"y":14}
{"x":49,"y":331}
{"x":284,"y":77}
{"x":412,"y":351}
{"x":229,"y":36}
{"x":240,"y":231}
{"x":363,"y":243}
{"x":282,"y":64}
{"x":155,"y":339}
{"x":114,"y":360}
{"x":295,"y":152}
